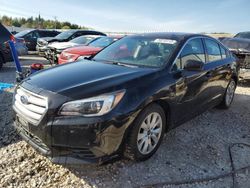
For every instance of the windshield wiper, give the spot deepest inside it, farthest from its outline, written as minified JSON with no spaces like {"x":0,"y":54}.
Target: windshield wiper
{"x":116,"y":63}
{"x":124,"y":64}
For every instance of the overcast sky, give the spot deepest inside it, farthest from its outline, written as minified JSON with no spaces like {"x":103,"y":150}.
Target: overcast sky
{"x":139,"y":15}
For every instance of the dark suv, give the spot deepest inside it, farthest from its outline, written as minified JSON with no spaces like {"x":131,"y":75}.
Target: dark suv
{"x":31,"y":36}
{"x":125,"y":99}
{"x":5,"y":53}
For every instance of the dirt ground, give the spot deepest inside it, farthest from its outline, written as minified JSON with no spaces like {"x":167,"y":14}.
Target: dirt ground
{"x":211,"y":150}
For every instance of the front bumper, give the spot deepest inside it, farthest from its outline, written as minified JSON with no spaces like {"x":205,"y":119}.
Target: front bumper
{"x":76,"y":140}
{"x":52,"y":55}
{"x":244,"y":61}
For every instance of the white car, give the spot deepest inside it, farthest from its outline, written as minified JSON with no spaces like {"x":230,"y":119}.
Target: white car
{"x":54,"y":49}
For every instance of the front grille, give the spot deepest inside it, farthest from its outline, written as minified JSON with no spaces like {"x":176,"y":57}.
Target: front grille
{"x":30,"y":106}
{"x":35,"y":139}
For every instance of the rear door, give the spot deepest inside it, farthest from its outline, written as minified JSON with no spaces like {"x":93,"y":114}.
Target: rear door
{"x":191,"y":86}
{"x":219,"y":64}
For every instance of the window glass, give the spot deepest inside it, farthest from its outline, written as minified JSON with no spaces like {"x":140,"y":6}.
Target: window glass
{"x":223,"y":52}
{"x":65,"y":35}
{"x":139,"y":51}
{"x":22,"y":34}
{"x":102,"y":42}
{"x":193,"y":50}
{"x":36,"y":34}
{"x":83,"y":39}
{"x":213,"y":50}
{"x":30,"y":35}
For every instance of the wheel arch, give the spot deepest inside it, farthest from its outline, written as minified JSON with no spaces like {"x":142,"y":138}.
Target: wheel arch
{"x":167,"y":110}
{"x":235,"y":78}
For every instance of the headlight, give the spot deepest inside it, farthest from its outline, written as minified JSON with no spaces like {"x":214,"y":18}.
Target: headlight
{"x":95,"y":106}
{"x":69,"y":57}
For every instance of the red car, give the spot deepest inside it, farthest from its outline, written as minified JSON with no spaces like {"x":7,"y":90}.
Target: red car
{"x":80,"y":52}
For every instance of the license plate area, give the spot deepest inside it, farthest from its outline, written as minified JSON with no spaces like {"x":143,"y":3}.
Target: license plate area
{"x":22,"y":123}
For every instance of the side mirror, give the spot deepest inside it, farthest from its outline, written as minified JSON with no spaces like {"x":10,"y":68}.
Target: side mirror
{"x":193,"y":65}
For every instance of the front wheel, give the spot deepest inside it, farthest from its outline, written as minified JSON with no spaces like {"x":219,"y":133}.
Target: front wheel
{"x":146,"y":134}
{"x":229,"y":95}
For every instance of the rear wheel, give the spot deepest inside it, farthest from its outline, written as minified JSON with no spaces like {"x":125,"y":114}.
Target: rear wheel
{"x":229,"y":95}
{"x":146,"y":134}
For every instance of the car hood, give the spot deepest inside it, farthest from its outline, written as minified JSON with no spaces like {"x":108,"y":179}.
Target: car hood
{"x":52,"y":39}
{"x":46,"y":38}
{"x":238,"y":44}
{"x":62,"y":45}
{"x":83,"y":50}
{"x":85,"y":78}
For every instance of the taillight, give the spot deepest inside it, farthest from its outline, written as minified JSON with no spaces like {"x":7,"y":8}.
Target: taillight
{"x":12,"y":38}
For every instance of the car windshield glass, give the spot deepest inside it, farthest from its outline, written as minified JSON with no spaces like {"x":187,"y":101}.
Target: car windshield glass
{"x":139,"y":51}
{"x":243,"y":35}
{"x":65,"y":35}
{"x":82,"y":40}
{"x":22,"y":33}
{"x":102,"y":42}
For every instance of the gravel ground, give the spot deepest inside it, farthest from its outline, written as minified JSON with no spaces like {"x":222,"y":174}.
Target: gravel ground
{"x":197,"y":150}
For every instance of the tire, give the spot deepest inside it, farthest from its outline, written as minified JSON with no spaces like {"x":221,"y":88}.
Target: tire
{"x":229,"y":95}
{"x":143,"y":140}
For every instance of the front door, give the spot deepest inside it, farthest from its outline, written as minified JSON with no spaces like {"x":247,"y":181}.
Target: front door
{"x":191,"y":86}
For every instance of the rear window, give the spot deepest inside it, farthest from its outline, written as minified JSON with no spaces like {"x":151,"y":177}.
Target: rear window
{"x":213,"y":50}
{"x":22,"y":33}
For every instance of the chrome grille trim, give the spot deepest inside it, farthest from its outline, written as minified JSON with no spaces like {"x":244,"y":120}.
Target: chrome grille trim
{"x":35,"y":108}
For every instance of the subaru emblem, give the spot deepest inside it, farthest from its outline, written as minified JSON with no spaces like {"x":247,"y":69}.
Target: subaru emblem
{"x":24,"y":99}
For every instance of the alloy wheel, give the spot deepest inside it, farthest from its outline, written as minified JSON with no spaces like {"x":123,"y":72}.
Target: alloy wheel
{"x":149,"y":133}
{"x":230,"y":93}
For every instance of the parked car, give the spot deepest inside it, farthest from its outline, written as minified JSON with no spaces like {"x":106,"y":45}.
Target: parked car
{"x":239,"y":45}
{"x":20,"y":46}
{"x":65,"y":36}
{"x":125,"y":98}
{"x":5,"y":53}
{"x":31,"y":36}
{"x":54,"y":49}
{"x":81,"y":52}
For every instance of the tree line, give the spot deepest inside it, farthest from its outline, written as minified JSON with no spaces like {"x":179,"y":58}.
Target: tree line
{"x":38,"y":22}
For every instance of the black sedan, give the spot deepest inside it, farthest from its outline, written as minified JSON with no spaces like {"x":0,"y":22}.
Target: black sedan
{"x":125,"y":98}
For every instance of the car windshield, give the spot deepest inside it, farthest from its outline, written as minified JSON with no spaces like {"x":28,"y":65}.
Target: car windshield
{"x":139,"y":51}
{"x":22,"y":33}
{"x":65,"y":35}
{"x":243,"y":35}
{"x":102,"y":42}
{"x":83,"y":39}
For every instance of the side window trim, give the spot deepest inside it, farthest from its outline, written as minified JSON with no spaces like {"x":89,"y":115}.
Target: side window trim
{"x":205,"y":50}
{"x":184,"y":45}
{"x":226,"y":51}
{"x":219,"y":45}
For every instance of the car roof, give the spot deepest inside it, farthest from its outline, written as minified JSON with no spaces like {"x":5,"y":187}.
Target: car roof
{"x":171,"y":35}
{"x":244,"y":32}
{"x":116,"y":36}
